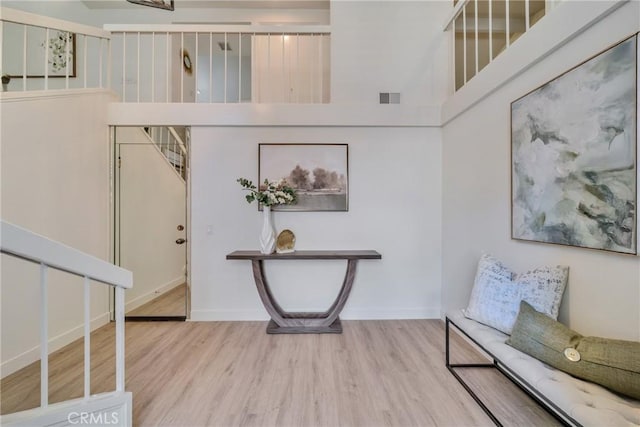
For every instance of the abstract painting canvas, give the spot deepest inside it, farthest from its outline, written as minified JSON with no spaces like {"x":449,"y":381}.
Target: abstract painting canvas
{"x":573,"y":152}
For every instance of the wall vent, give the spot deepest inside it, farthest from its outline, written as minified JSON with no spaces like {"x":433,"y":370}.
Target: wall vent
{"x":389,"y":98}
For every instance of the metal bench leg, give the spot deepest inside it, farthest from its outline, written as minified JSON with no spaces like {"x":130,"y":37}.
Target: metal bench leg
{"x":451,"y":367}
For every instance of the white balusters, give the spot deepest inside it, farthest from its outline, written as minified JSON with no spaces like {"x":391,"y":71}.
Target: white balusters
{"x":517,"y":18}
{"x":44,"y":337}
{"x":48,"y":254}
{"x":87,"y":338}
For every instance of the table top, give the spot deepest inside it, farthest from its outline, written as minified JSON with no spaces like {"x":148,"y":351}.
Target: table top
{"x":351,"y":254}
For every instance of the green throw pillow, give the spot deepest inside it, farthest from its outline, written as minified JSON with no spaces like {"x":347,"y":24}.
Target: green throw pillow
{"x":614,"y":364}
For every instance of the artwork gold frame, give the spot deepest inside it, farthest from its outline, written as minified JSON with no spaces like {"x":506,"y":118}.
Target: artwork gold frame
{"x":574,"y":155}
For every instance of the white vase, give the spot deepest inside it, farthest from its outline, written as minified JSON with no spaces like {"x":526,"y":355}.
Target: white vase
{"x":268,"y":233}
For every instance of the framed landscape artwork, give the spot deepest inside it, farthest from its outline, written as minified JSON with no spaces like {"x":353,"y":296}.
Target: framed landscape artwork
{"x":573,"y":153}
{"x":318,"y":172}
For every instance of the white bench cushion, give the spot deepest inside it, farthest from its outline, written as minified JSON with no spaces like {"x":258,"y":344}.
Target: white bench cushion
{"x":587,"y":403}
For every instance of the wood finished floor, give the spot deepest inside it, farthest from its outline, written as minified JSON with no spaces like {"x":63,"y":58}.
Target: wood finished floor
{"x":170,"y":303}
{"x":377,"y":373}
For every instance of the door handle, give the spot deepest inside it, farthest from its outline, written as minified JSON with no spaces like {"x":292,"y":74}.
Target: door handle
{"x":180,"y":241}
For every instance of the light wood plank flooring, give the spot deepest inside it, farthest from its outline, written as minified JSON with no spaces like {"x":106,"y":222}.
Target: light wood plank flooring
{"x":170,"y":303}
{"x":377,"y":373}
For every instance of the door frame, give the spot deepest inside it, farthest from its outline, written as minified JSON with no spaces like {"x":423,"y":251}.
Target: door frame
{"x":114,"y":223}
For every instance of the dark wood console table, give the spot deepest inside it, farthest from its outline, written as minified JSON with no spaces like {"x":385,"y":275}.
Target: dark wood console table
{"x":283,"y":322}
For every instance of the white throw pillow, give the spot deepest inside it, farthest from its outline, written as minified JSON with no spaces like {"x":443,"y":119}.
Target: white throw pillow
{"x":497,"y":292}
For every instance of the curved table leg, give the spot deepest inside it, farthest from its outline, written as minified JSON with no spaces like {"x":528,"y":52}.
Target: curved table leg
{"x":284,"y":322}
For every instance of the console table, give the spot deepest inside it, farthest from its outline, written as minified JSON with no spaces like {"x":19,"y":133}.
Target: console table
{"x":283,"y":322}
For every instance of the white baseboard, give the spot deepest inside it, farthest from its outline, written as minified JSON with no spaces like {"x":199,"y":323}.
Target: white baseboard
{"x":143,"y":299}
{"x":55,"y":343}
{"x":391,"y":313}
{"x":352,"y":314}
{"x":228,"y":315}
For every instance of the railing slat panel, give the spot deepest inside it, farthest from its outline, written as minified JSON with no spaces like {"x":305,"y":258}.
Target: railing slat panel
{"x":464,"y":43}
{"x":84,"y":68}
{"x":195,"y":72}
{"x":476,"y":34}
{"x":24,"y":57}
{"x":124,"y":70}
{"x":44,"y":337}
{"x":168,"y":69}
{"x":210,"y":67}
{"x":67,"y":58}
{"x":120,"y":339}
{"x":138,"y":69}
{"x":181,"y":65}
{"x":507,"y":22}
{"x":87,"y":338}
{"x":239,"y":67}
{"x":490,"y":30}
{"x":46,"y":59}
{"x":225,"y":68}
{"x":153,"y":67}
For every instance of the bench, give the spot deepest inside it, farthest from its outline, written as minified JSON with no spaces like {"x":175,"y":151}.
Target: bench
{"x":572,"y":401}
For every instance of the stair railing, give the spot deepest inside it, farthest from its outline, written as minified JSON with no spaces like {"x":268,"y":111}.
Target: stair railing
{"x":171,"y":146}
{"x":24,"y":244}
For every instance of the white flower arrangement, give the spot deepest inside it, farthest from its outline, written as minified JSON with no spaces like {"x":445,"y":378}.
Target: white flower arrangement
{"x":269,"y":193}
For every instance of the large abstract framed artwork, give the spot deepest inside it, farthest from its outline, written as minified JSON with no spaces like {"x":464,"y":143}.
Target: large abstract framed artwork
{"x":573,"y":153}
{"x":318,"y":172}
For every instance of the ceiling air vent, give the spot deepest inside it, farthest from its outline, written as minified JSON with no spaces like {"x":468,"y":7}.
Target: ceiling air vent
{"x":389,"y":98}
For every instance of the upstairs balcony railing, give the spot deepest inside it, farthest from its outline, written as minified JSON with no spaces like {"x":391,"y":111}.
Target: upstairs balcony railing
{"x":42,"y":53}
{"x":483,"y":29}
{"x":221,"y":63}
{"x":167,"y":63}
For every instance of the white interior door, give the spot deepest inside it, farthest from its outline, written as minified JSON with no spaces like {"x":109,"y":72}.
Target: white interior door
{"x":152,"y":225}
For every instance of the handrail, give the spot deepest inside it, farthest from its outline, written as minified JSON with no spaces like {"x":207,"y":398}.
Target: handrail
{"x":27,"y":245}
{"x":33,"y":247}
{"x":21,"y":17}
{"x":454,"y":13}
{"x":215,"y":28}
{"x":179,"y":140}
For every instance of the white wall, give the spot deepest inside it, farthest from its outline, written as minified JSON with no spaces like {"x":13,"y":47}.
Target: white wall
{"x":389,"y":46}
{"x":55,"y":181}
{"x":603,"y":296}
{"x":394,"y":207}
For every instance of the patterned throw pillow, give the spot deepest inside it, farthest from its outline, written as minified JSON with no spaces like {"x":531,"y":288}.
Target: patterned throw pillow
{"x":497,"y":292}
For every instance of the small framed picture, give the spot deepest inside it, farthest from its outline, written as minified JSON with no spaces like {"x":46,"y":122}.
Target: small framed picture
{"x":318,"y":172}
{"x":61,"y":58}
